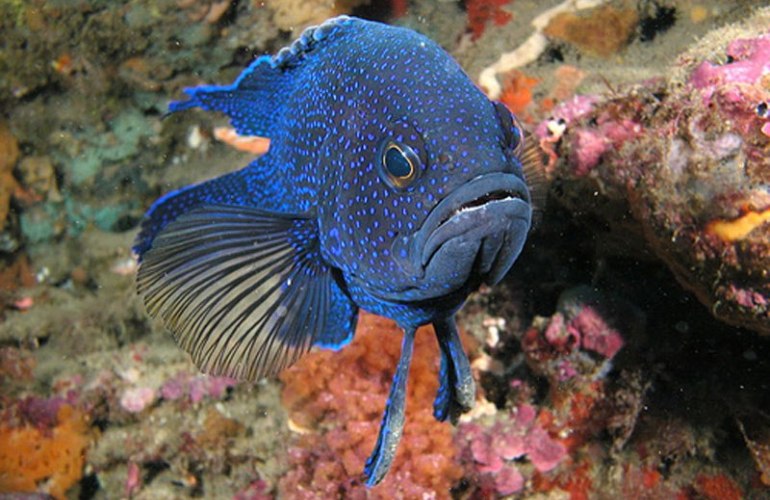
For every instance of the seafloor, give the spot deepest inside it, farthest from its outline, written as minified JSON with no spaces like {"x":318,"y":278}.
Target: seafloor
{"x":623,"y":357}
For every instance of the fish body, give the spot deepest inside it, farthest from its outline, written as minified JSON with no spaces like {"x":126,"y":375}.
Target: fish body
{"x":391,"y":184}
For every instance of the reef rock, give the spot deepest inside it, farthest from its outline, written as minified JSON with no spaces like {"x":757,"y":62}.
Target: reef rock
{"x":684,"y":164}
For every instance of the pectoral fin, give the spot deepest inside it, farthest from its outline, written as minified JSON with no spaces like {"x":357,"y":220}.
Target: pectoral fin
{"x":244,"y":291}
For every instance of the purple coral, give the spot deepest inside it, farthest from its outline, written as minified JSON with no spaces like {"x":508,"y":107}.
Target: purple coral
{"x":196,"y":387}
{"x":490,"y":450}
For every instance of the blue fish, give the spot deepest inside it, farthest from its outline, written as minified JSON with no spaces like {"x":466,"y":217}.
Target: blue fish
{"x":391,"y":184}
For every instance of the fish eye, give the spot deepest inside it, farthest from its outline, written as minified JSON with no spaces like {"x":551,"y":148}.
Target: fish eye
{"x":512,"y":131}
{"x":399,"y":164}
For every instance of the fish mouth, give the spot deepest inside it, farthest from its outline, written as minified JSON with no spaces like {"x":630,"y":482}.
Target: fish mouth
{"x":479,"y":226}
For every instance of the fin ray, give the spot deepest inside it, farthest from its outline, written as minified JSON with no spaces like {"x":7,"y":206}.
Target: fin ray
{"x":254,"y":101}
{"x":244,"y":291}
{"x":533,"y":164}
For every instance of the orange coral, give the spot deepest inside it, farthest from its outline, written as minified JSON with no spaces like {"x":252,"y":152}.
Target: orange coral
{"x":517,"y":93}
{"x":33,"y":460}
{"x":340,"y":395}
{"x":602,"y":31}
{"x":739,"y":228}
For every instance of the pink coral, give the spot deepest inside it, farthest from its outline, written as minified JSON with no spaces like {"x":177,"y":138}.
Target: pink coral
{"x":257,"y":490}
{"x":544,"y":452}
{"x":174,"y":388}
{"x":566,"y":112}
{"x":563,"y":339}
{"x":490,"y":450}
{"x":133,"y":479}
{"x":509,"y":481}
{"x":39,"y":412}
{"x":196,"y":387}
{"x":588,"y":148}
{"x":136,"y":399}
{"x":750,"y":62}
{"x":738,"y":83}
{"x":590,"y":145}
{"x":559,"y":349}
{"x":596,"y":335}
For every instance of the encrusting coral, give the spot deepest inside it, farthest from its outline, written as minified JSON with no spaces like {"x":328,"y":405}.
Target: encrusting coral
{"x":335,"y":400}
{"x":690,"y":160}
{"x":44,"y":460}
{"x":602,"y":31}
{"x":490,"y":449}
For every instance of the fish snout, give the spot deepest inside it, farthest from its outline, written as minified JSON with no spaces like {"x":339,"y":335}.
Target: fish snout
{"x":475,"y":232}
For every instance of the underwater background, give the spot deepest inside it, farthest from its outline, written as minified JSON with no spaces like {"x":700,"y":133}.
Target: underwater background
{"x":624,"y":356}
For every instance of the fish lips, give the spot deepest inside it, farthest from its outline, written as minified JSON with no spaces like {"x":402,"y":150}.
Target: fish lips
{"x":479,"y":227}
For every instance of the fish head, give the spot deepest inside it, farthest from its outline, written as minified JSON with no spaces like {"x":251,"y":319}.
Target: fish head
{"x":428,"y":197}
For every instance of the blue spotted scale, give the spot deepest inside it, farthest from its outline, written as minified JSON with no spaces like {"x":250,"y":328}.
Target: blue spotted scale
{"x":391,"y":184}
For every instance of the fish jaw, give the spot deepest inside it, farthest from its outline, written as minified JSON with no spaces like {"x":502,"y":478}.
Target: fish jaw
{"x":476,"y":232}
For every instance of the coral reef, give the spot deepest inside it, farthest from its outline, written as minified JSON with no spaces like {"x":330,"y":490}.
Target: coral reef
{"x":598,"y":375}
{"x":335,"y":400}
{"x":653,"y":150}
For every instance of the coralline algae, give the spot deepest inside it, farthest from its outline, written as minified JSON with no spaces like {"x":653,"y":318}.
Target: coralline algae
{"x":690,"y":158}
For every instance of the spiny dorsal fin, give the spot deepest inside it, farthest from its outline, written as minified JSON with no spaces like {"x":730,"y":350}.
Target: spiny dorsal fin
{"x":308,"y":40}
{"x":254,"y":100}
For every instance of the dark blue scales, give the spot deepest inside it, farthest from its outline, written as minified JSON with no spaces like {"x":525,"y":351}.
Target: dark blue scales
{"x":391,"y":184}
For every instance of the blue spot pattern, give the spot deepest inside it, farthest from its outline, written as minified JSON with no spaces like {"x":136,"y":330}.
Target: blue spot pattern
{"x":407,"y":186}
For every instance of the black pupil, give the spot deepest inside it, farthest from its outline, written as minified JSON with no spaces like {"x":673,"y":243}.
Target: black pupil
{"x":396,"y":163}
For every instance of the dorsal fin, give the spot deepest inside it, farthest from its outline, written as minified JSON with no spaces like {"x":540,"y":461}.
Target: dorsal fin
{"x":254,"y":100}
{"x":307,"y":41}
